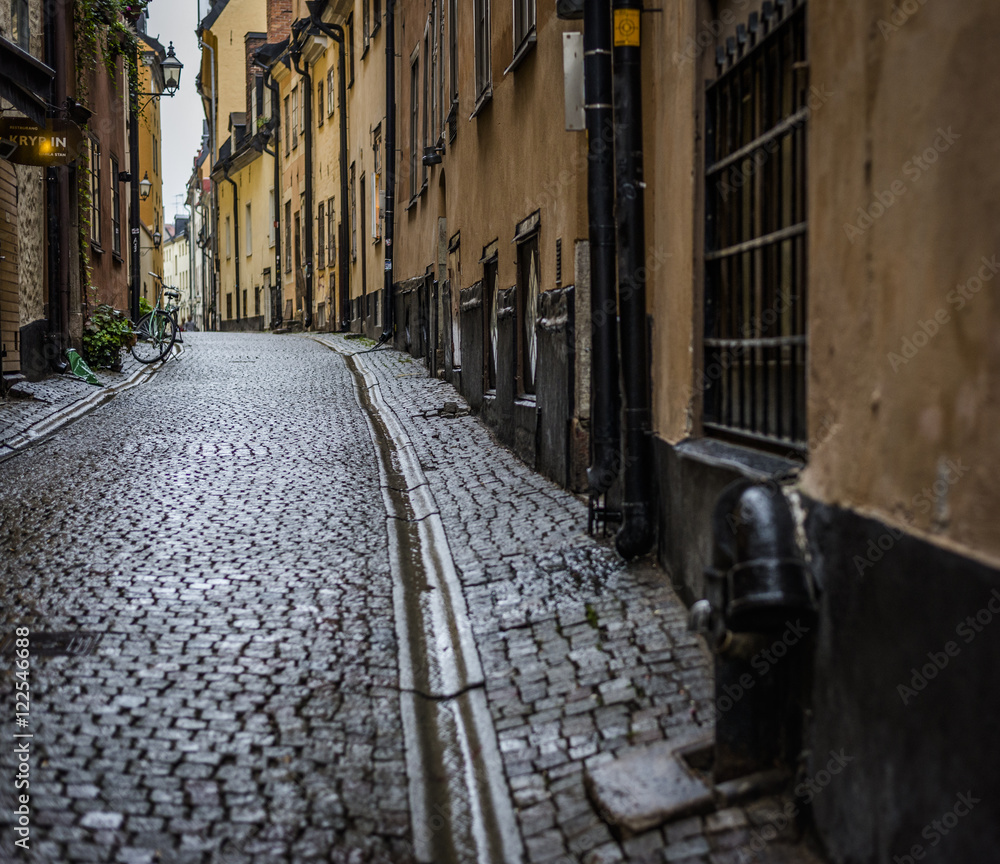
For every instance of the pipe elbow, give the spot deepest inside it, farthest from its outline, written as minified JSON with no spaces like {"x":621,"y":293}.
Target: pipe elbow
{"x":637,"y":533}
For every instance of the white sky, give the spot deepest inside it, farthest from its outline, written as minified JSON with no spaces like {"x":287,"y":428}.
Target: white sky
{"x":181,"y":117}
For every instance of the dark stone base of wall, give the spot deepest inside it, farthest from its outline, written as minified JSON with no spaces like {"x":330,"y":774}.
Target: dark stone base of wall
{"x":903,"y":674}
{"x":36,"y":355}
{"x":243,"y":325}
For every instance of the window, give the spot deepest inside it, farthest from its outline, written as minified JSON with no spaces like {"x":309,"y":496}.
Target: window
{"x":95,"y":191}
{"x":249,"y":231}
{"x":331,"y":233}
{"x":288,"y":127}
{"x":20,"y":24}
{"x":377,"y":184}
{"x":229,"y":240}
{"x":256,"y":301}
{"x":524,"y":23}
{"x":156,"y":150}
{"x":414,"y":119}
{"x":354,"y":217}
{"x":366,"y":14}
{"x":423,"y":167}
{"x":491,"y":299}
{"x":453,"y":48}
{"x":298,"y":241}
{"x":481,"y":12}
{"x":527,"y":312}
{"x":321,"y":246}
{"x":329,"y":90}
{"x":288,"y":236}
{"x":253,"y":104}
{"x":116,"y":207}
{"x":229,"y":304}
{"x":272,"y":214}
{"x":376,"y":16}
{"x":245,"y":310}
{"x":755,"y":243}
{"x":434,"y":101}
{"x":295,"y":117}
{"x":319,"y":102}
{"x":258,"y":86}
{"x":350,"y":49}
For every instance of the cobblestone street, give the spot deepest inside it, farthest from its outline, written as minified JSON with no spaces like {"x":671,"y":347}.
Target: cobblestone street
{"x":222,"y":529}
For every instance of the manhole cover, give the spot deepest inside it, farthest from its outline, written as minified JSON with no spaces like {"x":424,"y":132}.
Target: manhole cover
{"x":78,"y":643}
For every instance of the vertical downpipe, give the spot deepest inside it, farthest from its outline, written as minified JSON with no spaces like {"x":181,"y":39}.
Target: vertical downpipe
{"x":276,"y":114}
{"x":390,"y":165}
{"x":605,"y":399}
{"x":236,"y":240}
{"x":307,"y":219}
{"x":635,"y":537}
{"x":336,"y":32}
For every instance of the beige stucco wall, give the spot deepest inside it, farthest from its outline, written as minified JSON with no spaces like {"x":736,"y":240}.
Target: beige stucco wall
{"x":673,"y":233}
{"x":905,"y":117}
{"x":900,"y":90}
{"x":513,"y":158}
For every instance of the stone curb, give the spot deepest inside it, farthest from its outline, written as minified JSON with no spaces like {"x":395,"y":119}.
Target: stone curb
{"x":63,"y":416}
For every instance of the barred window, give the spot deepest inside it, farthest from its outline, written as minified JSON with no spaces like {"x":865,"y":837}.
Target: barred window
{"x":755,"y":239}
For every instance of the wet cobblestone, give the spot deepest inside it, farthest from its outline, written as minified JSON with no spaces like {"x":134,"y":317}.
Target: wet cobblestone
{"x":223,"y":527}
{"x":242,"y":704}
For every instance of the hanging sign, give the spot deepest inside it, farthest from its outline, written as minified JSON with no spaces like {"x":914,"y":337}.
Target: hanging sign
{"x":58,"y":142}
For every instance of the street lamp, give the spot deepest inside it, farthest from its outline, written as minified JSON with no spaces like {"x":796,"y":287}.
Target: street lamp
{"x":171,"y":72}
{"x":145,"y":186}
{"x":156,"y":239}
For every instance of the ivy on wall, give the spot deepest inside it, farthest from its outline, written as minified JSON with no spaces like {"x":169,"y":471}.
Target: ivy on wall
{"x":104,"y":33}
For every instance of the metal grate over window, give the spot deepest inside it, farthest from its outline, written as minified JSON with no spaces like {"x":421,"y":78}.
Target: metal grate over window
{"x":755,"y":240}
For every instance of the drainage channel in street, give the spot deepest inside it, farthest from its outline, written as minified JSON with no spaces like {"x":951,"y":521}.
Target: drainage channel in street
{"x":460,"y":805}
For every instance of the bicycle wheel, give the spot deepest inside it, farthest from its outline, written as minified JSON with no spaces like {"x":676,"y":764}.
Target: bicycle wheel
{"x":154,"y":336}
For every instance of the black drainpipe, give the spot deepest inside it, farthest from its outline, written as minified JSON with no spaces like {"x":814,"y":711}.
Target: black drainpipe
{"x":336,"y":33}
{"x":390,"y":165}
{"x":296,"y":55}
{"x":236,"y":237}
{"x":276,"y":116}
{"x":605,"y":398}
{"x":636,"y":533}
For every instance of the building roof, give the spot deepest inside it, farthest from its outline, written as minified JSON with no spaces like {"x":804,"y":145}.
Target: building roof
{"x":213,"y":14}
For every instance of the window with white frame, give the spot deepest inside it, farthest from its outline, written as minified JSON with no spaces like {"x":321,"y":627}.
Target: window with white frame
{"x":272,"y":213}
{"x":95,"y":191}
{"x":524,"y":23}
{"x":481,"y":20}
{"x":249,"y":231}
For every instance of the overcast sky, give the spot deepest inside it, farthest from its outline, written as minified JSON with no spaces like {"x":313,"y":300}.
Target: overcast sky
{"x":181,"y":117}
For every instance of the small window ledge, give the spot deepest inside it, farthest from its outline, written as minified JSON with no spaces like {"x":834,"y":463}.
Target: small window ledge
{"x":523,"y":50}
{"x":484,"y":99}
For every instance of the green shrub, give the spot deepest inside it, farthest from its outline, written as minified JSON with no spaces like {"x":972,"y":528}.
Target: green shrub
{"x":106,"y":334}
{"x":145,"y":307}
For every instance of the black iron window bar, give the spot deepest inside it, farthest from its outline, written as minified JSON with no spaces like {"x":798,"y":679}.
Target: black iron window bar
{"x":755,"y":344}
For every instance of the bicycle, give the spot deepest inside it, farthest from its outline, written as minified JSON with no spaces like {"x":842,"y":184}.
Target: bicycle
{"x":156,"y":331}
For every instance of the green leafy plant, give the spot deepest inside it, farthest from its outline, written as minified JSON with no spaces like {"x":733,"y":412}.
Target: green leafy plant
{"x":106,"y":334}
{"x":145,"y":307}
